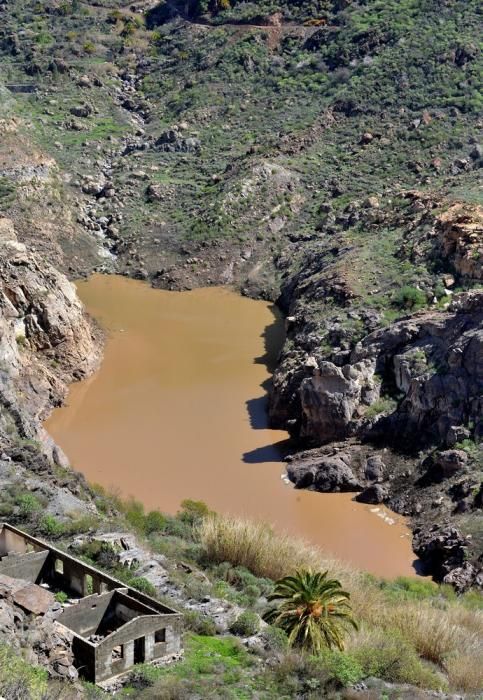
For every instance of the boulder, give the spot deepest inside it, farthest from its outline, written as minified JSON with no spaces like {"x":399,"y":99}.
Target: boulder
{"x":330,"y":397}
{"x":374,"y":469}
{"x":441,"y":549}
{"x":325,"y":474}
{"x":373,"y":494}
{"x":82,"y":111}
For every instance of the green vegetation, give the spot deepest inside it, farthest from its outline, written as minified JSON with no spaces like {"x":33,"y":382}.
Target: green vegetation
{"x":410,"y":298}
{"x":61,"y":597}
{"x":18,"y":679}
{"x":384,"y":405}
{"x":7,"y":193}
{"x":312,"y":609}
{"x":246,"y":624}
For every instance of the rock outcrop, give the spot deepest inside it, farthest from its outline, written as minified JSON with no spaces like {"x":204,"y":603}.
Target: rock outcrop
{"x":426,"y":372}
{"x":46,"y":340}
{"x":460,"y":235}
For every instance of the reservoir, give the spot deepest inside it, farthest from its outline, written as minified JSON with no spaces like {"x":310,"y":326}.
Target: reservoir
{"x":178,"y":410}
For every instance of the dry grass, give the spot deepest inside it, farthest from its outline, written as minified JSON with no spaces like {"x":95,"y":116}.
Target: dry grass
{"x":465,"y":672}
{"x":429,"y":630}
{"x":257,"y":547}
{"x":447,"y":635}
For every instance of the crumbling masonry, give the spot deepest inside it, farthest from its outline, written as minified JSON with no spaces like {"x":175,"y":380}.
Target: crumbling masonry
{"x":112,"y":625}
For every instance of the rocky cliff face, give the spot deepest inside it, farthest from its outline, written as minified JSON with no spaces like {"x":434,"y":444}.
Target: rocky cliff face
{"x":46,"y":341}
{"x":417,"y":382}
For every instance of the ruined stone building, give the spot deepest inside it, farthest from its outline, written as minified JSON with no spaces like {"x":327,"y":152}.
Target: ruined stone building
{"x":112,"y":626}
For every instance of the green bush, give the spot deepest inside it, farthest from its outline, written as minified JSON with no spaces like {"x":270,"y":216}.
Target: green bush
{"x":61,"y":597}
{"x":154,"y":521}
{"x":7,"y":193}
{"x":29,"y":505}
{"x":275,"y":638}
{"x":174,"y":527}
{"x":192,"y":512}
{"x":382,"y":405}
{"x":410,"y":298}
{"x":143,"y":585}
{"x":51,"y":527}
{"x":246,"y":625}
{"x":134,"y":514}
{"x":199,"y":623}
{"x":389,"y":656}
{"x":343,"y":668}
{"x":19,"y":680}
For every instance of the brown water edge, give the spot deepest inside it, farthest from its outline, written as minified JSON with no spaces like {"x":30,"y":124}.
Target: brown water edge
{"x":177,"y":410}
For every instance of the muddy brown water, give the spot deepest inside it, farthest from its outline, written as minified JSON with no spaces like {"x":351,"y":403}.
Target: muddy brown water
{"x":177,"y":410}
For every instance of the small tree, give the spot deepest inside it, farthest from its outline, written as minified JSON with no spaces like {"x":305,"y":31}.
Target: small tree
{"x":312,"y":609}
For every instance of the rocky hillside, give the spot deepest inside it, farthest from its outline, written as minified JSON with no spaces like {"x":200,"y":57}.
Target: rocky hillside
{"x":324,"y":154}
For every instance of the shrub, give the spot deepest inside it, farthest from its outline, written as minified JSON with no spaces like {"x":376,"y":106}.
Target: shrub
{"x":197,"y":588}
{"x":29,"y":505}
{"x":134,"y":513}
{"x":275,"y":638}
{"x":155,"y":521}
{"x":192,"y":512}
{"x":175,"y":527}
{"x":243,"y":580}
{"x":61,"y":597}
{"x":387,"y":655}
{"x":382,"y":405}
{"x":343,"y":668}
{"x":50,"y":526}
{"x":18,"y":679}
{"x":7,"y":193}
{"x":143,"y":585}
{"x":246,"y":625}
{"x":199,"y":623}
{"x":409,"y":298}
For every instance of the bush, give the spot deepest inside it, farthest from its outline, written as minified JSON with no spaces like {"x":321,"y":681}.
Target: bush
{"x":143,"y":585}
{"x":344,"y":669}
{"x":199,"y":623}
{"x":18,"y":679}
{"x":50,"y":526}
{"x":243,"y":580}
{"x":7,"y":193}
{"x":275,"y":638}
{"x":382,"y":405}
{"x":29,"y":505}
{"x":192,"y":512}
{"x":134,"y":513}
{"x":197,"y":588}
{"x":409,"y":298}
{"x":246,"y":625}
{"x":155,"y":521}
{"x":389,"y":656}
{"x":61,"y":597}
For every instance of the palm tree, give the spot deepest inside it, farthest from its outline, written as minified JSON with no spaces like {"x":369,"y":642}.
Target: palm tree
{"x":313,"y":610}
